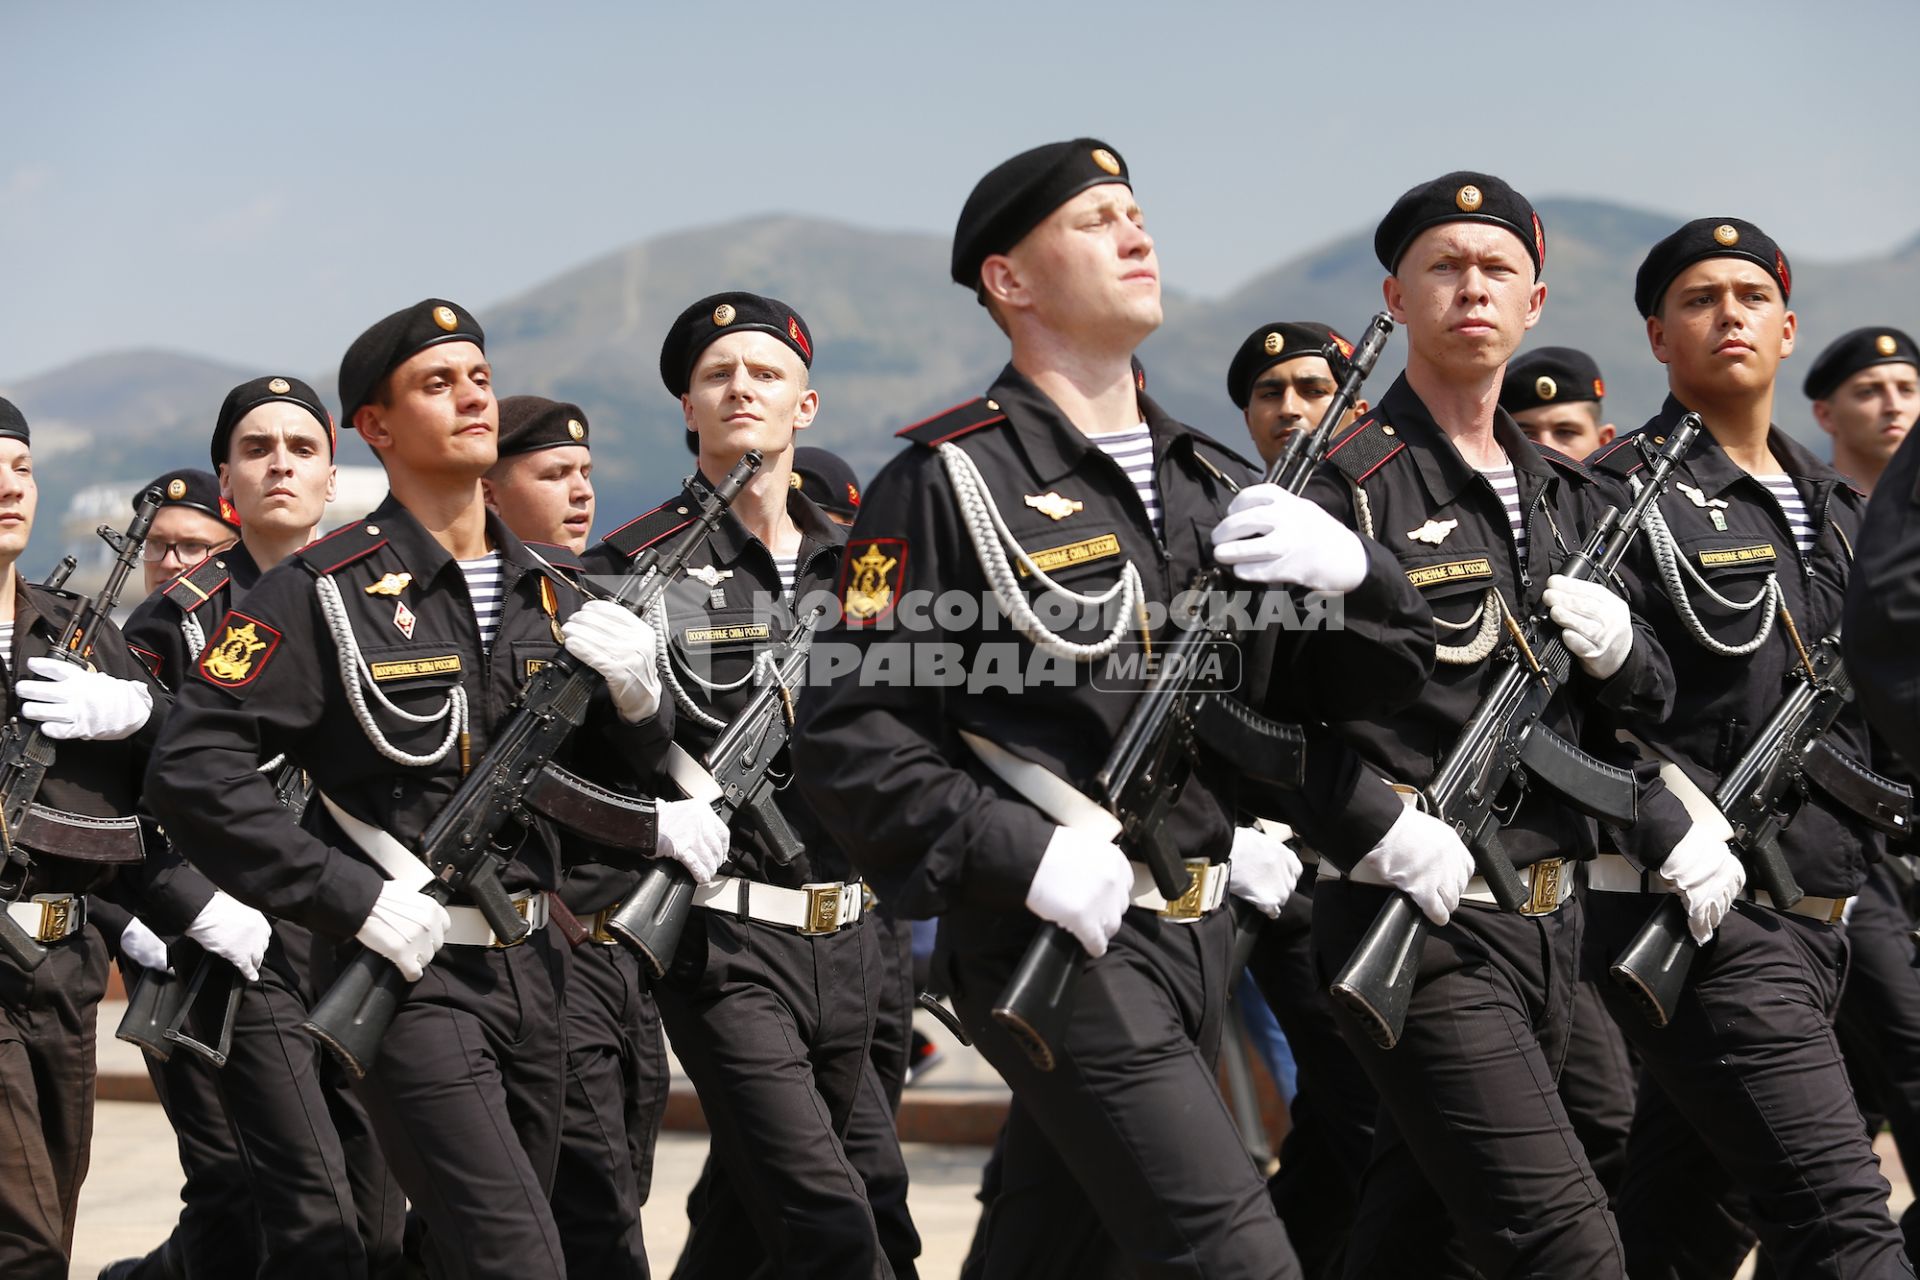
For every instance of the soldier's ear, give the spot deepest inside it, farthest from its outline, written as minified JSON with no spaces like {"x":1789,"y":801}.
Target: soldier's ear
{"x":367,"y":421}
{"x":487,"y":495}
{"x":1395,"y":297}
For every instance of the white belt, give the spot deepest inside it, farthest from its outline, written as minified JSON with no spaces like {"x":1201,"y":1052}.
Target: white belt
{"x":812,"y":909}
{"x":1611,"y":873}
{"x":1549,"y":884}
{"x":49,"y":917}
{"x":1206,"y":891}
{"x":469,"y":928}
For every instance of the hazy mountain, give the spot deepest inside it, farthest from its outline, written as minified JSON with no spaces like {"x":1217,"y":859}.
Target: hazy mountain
{"x":896,"y":341}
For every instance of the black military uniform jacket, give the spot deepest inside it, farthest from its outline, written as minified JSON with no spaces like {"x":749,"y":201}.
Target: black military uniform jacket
{"x":270,"y":681}
{"x":1883,"y":606}
{"x":721,"y":615}
{"x":1721,"y":701}
{"x":195,"y":601}
{"x":1415,"y":482}
{"x":880,"y":754}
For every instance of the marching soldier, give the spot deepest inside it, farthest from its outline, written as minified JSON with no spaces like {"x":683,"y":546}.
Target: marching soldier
{"x":826,"y":478}
{"x":1554,"y":394}
{"x":283,"y":1099}
{"x":1473,"y":1142}
{"x":103,"y":717}
{"x":1753,"y":543}
{"x":1883,"y":606}
{"x":1122,"y":1155}
{"x":770,"y":999}
{"x":194,"y":521}
{"x":381,"y":659}
{"x":1865,"y":389}
{"x":1282,"y":379}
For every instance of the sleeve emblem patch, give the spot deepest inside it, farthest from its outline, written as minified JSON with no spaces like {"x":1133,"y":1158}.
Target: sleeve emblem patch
{"x":873,"y":579}
{"x":241,"y":653}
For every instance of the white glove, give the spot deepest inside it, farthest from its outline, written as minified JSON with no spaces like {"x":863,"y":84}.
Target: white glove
{"x":234,"y":931}
{"x":621,"y":646}
{"x":1083,"y":884}
{"x":691,"y":833}
{"x":1265,"y":869}
{"x":405,"y":926}
{"x":1595,"y":624}
{"x":1708,"y":877}
{"x":1272,"y":536}
{"x":143,"y":946}
{"x":73,"y":702}
{"x":1423,"y":858}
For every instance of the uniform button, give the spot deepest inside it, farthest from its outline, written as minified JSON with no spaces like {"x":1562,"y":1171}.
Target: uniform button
{"x":1386,"y":431}
{"x":373,"y":528}
{"x":680,"y":510}
{"x":1659,"y":439}
{"x":994,"y":405}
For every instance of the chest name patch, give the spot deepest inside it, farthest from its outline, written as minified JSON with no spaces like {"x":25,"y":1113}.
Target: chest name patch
{"x":727,"y":635}
{"x":1068,"y":555}
{"x":1759,"y":553}
{"x":1433,"y":575}
{"x":408,"y":668}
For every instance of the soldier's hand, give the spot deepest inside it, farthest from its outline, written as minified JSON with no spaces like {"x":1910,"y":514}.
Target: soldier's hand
{"x":620,"y":645}
{"x":1423,"y":858}
{"x":234,"y":931}
{"x":143,"y":946}
{"x":691,"y":833}
{"x":1708,"y":877}
{"x":1084,"y":884}
{"x":405,"y":926}
{"x":72,"y":702}
{"x":1265,"y":868}
{"x":1595,"y":624}
{"x":1271,"y":536}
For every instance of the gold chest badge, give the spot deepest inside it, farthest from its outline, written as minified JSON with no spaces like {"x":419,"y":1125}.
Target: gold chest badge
{"x":1053,"y":506}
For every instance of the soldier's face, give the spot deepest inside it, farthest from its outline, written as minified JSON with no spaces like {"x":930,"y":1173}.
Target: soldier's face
{"x":279,"y":470}
{"x":748,"y":390}
{"x":19,"y":497}
{"x":1573,"y":428}
{"x":1466,"y":294}
{"x":187,"y":537}
{"x":1870,"y":413}
{"x":1723,"y":329}
{"x":441,"y":418}
{"x":546,"y":495}
{"x":1089,"y":270}
{"x":1287,"y":397}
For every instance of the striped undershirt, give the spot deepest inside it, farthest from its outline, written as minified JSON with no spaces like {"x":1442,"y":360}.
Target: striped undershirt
{"x":1133,"y":450}
{"x":1507,"y":485}
{"x":6,"y":645}
{"x":1793,"y":507}
{"x":789,"y":568}
{"x":483,"y":585}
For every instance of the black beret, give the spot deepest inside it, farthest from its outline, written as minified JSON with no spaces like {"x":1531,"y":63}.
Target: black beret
{"x":389,"y":343}
{"x":724,"y":313}
{"x":1551,"y":375}
{"x":191,"y":488}
{"x":1699,"y":240}
{"x":826,"y":478}
{"x":248,"y":396}
{"x":529,"y":424}
{"x":1018,"y":194}
{"x":1460,"y":196}
{"x":1277,"y":343}
{"x":13,"y":423}
{"x":1851,"y":352}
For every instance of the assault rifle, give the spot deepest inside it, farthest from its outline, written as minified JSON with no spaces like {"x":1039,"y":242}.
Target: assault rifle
{"x":464,"y":848}
{"x":1759,"y":797}
{"x":1502,"y":750}
{"x":26,"y":753}
{"x":736,"y":776}
{"x":1152,"y":757}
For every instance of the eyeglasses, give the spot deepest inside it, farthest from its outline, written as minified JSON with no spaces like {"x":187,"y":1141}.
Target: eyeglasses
{"x":153,"y":551}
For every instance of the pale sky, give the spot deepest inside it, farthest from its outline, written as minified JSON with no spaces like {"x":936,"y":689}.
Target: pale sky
{"x":258,"y":182}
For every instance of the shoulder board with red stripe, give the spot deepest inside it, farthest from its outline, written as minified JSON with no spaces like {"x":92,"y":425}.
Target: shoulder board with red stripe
{"x":196,"y":586}
{"x":641,"y":532}
{"x":341,"y":548}
{"x":1565,"y":462}
{"x":1365,"y":449}
{"x":1621,"y":458}
{"x":951,"y":424}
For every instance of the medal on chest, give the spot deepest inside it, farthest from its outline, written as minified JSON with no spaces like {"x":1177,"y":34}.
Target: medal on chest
{"x":403,"y":618}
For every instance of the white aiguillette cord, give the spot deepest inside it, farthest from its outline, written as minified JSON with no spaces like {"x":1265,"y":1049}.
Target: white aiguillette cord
{"x":387,"y":853}
{"x":1044,"y":789}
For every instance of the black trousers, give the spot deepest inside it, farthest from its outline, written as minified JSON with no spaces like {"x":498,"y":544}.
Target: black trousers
{"x":1879,"y":1021}
{"x":774,"y":1031}
{"x":1475,"y":1164}
{"x":465,"y":1099}
{"x":47,"y":1071}
{"x":1597,"y":1084}
{"x":1123,"y":1160}
{"x":1751,"y":1094}
{"x":1327,"y":1147}
{"x":617,"y":1081}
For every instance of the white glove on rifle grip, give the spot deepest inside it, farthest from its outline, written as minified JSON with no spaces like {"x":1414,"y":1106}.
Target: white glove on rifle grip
{"x":234,"y":931}
{"x":691,"y":833}
{"x":143,"y":946}
{"x":1265,"y":869}
{"x":1083,"y":884}
{"x":1423,"y":858}
{"x":1273,"y":536}
{"x":405,"y":926}
{"x":621,"y":646}
{"x":1595,"y":624}
{"x":1707,"y":876}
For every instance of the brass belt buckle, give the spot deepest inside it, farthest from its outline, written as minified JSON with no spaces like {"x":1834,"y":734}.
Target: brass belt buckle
{"x":1192,"y":904}
{"x":823,"y":908}
{"x":523,"y":907}
{"x":1839,"y":910}
{"x":1545,"y":879}
{"x":56,"y":919}
{"x":600,"y":934}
